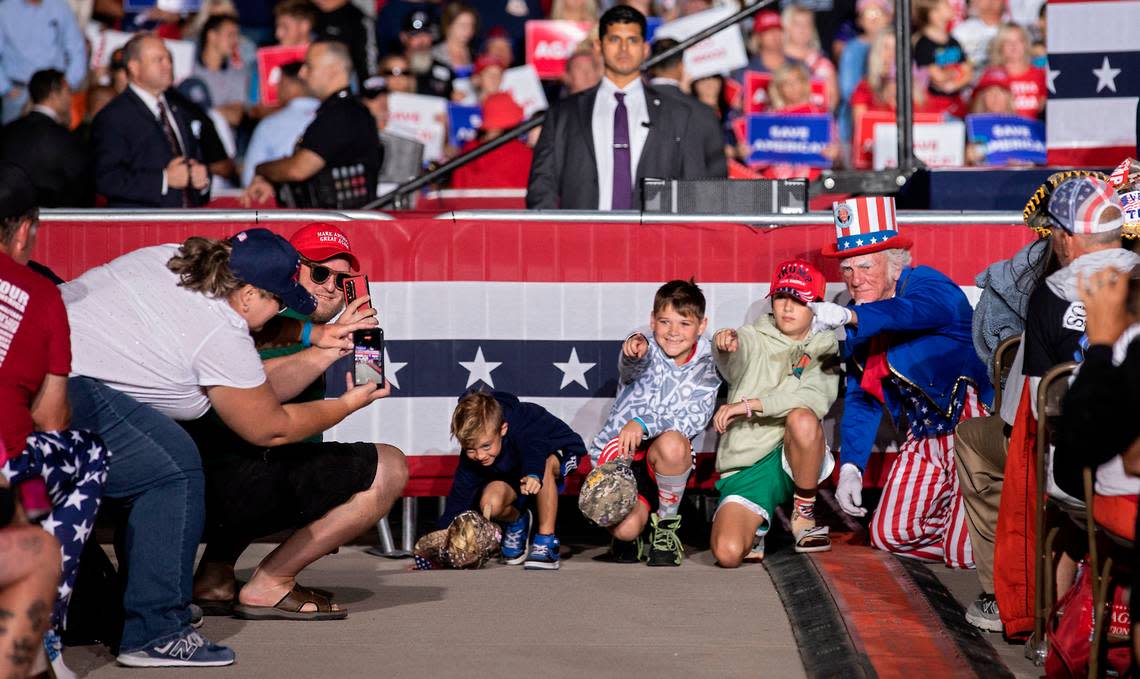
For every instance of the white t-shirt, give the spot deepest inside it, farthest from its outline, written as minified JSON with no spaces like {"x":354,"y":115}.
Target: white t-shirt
{"x":136,"y":330}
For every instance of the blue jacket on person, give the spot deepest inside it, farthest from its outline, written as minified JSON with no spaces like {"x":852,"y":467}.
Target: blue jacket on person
{"x":930,"y":347}
{"x":532,"y":435}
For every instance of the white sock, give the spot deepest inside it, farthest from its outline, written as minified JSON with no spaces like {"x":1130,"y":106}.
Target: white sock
{"x":670,"y":489}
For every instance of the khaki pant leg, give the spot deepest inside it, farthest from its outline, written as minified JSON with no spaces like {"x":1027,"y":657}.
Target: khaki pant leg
{"x":980,"y":449}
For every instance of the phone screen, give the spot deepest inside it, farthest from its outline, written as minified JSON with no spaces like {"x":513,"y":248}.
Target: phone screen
{"x":368,"y":356}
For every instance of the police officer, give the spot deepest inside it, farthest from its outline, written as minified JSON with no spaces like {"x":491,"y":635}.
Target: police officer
{"x":337,"y":161}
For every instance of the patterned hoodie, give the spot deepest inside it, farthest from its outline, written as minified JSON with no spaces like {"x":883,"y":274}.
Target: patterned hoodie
{"x":666,"y":396}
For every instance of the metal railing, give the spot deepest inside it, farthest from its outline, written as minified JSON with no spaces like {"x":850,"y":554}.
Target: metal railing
{"x":208,"y":215}
{"x":905,"y":217}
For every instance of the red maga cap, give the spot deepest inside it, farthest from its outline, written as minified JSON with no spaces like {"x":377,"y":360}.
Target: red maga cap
{"x":799,"y":279}
{"x":320,"y":241}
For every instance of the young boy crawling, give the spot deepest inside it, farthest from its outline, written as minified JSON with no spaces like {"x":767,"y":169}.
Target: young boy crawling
{"x":512,"y":452}
{"x":783,"y":377}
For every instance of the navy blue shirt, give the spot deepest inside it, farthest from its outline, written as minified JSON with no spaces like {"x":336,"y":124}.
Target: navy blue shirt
{"x":533,"y":434}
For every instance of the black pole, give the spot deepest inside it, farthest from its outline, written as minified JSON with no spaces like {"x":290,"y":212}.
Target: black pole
{"x":536,"y":120}
{"x":904,"y":84}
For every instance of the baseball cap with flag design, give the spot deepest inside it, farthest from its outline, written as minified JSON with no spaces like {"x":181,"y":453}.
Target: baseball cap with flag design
{"x":796,"y":278}
{"x":1079,"y":204}
{"x":865,"y":225}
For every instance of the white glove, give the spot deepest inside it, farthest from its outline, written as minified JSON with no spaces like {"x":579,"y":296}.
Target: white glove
{"x":829,"y":315}
{"x":849,"y":491}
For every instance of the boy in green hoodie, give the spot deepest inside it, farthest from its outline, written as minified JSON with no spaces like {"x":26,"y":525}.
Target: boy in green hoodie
{"x":783,"y":376}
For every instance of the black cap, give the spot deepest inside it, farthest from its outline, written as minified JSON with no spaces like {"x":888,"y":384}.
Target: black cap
{"x":418,"y":21}
{"x":374,"y":87}
{"x":17,"y":193}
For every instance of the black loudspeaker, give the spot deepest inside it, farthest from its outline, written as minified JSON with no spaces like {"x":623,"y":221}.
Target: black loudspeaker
{"x":725,"y":196}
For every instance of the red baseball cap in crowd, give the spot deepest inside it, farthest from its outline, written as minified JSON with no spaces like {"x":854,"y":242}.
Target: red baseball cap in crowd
{"x":501,"y":112}
{"x":765,"y":21}
{"x":799,"y":279}
{"x":320,"y":241}
{"x":487,"y":61}
{"x":993,"y":77}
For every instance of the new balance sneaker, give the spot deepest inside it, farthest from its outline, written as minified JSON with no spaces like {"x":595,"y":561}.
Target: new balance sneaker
{"x":983,"y":613}
{"x":188,"y":649}
{"x":664,"y":546}
{"x":627,"y":551}
{"x":516,"y":539}
{"x":543,"y":554}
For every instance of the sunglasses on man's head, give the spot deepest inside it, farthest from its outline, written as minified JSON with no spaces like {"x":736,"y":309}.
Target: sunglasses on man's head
{"x":320,"y":273}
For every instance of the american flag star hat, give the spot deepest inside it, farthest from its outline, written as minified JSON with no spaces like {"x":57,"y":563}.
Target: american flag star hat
{"x":865,"y":225}
{"x":1077,"y":206}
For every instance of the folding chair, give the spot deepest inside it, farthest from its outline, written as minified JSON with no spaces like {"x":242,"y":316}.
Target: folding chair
{"x":1050,"y":394}
{"x":1003,"y":360}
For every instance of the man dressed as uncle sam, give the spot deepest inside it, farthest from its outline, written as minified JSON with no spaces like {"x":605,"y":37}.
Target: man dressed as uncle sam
{"x":908,"y":349}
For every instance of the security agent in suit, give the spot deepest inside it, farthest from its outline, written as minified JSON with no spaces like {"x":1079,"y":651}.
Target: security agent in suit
{"x":147,"y":153}
{"x":571,"y":173}
{"x":41,"y":144}
{"x":704,"y":125}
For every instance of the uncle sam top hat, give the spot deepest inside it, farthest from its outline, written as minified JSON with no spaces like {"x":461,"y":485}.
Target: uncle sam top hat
{"x":863,"y":226}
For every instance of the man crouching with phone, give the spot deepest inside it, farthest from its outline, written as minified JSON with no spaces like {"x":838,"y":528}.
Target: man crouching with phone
{"x":327,"y":493}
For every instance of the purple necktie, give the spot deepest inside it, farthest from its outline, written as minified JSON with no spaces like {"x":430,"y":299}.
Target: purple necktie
{"x":623,"y":183}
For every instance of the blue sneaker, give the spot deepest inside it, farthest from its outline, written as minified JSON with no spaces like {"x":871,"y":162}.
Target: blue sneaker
{"x":516,"y":539}
{"x":188,"y":649}
{"x":543,"y":554}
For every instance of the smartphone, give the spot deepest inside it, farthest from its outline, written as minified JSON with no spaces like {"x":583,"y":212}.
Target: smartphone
{"x":368,"y":355}
{"x":356,"y":286}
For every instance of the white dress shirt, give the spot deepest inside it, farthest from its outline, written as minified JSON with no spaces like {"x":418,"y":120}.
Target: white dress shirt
{"x":151,"y":102}
{"x":603,"y":127}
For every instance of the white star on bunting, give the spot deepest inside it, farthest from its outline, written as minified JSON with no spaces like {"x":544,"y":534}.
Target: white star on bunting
{"x":1051,"y":79}
{"x":573,"y":370}
{"x":1106,"y":76}
{"x":479,"y":369}
{"x":391,"y":368}
{"x":858,"y":241}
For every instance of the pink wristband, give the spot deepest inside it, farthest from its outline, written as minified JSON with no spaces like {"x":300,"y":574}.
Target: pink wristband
{"x":747,"y":406}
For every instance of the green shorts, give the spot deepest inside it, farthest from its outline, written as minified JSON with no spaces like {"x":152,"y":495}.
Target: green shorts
{"x":761,"y":487}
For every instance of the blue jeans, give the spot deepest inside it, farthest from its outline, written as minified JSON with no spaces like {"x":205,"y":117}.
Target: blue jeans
{"x":156,"y":475}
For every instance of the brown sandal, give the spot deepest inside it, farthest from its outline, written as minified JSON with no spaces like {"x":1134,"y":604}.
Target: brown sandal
{"x":289,"y":608}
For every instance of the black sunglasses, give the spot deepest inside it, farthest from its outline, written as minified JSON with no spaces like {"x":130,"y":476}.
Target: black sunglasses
{"x":320,"y":273}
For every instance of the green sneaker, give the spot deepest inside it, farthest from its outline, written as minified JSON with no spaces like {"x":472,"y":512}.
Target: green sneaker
{"x":665,"y":547}
{"x":627,"y":551}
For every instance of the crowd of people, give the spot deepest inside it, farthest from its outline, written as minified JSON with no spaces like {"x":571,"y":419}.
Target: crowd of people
{"x":72,"y":113}
{"x":194,"y":413}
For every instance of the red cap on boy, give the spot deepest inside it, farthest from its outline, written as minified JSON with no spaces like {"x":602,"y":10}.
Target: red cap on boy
{"x":796,"y":278}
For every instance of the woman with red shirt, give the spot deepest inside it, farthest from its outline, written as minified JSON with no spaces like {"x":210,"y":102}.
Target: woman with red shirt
{"x":508,"y":166}
{"x":1010,"y":51}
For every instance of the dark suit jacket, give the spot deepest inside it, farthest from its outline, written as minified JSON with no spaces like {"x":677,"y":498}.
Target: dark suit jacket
{"x":564,"y":173}
{"x":704,"y":125}
{"x":55,"y":159}
{"x":131,"y":151}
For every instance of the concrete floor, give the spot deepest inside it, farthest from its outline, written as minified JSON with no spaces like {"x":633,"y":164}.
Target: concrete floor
{"x":590,"y":619}
{"x":964,"y":586}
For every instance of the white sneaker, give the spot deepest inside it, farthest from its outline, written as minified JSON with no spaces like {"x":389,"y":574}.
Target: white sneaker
{"x":983,"y":613}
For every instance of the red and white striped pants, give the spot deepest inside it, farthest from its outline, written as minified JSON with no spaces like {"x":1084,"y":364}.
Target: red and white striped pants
{"x":921,"y":515}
